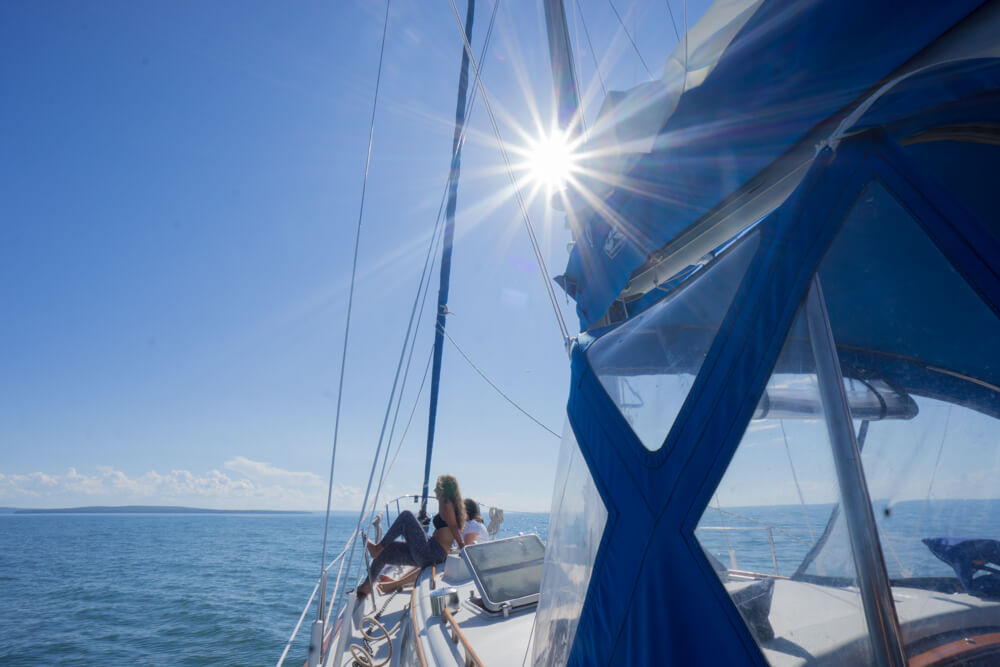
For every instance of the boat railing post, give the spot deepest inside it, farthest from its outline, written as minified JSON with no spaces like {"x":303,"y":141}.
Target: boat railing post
{"x":770,"y":539}
{"x":316,"y":638}
{"x":873,"y":580}
{"x":316,"y":644}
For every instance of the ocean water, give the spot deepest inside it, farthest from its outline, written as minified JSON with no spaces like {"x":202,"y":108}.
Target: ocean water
{"x":161,"y":589}
{"x":165,"y":589}
{"x":739,"y":536}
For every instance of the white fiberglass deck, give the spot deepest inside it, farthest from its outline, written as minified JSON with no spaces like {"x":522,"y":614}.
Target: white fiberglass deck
{"x":495,"y":640}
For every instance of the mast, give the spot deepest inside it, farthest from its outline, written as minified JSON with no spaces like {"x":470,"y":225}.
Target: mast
{"x":449,"y":234}
{"x":561,"y":60}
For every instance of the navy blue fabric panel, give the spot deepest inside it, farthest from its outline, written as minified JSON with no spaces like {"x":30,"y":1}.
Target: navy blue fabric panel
{"x":792,"y":65}
{"x":637,"y":563}
{"x":921,"y":380}
{"x":634,"y":588}
{"x":875,"y":270}
{"x":629,"y":521}
{"x":622,"y":451}
{"x":973,"y":250}
{"x":637,"y":611}
{"x":951,"y":93}
{"x":954,"y":136}
{"x":969,"y":171}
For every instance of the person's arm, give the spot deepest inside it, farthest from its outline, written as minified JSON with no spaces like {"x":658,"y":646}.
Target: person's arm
{"x":447,"y":511}
{"x":470,"y":537}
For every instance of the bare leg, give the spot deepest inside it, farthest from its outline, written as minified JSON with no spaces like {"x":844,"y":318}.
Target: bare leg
{"x":374,"y":548}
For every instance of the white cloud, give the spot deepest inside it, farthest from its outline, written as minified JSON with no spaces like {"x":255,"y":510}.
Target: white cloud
{"x":248,"y":484}
{"x":265,"y":471}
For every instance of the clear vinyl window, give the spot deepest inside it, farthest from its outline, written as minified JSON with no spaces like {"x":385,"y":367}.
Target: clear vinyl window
{"x":649,"y":363}
{"x":918,"y":350}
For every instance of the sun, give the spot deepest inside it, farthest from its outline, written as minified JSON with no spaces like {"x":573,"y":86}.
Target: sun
{"x":551,"y":161}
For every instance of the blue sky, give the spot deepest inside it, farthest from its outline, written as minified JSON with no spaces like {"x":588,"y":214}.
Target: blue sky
{"x":179,"y":188}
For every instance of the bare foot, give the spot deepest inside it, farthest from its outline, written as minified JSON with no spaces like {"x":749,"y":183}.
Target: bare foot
{"x":364,"y":589}
{"x":374,"y":549}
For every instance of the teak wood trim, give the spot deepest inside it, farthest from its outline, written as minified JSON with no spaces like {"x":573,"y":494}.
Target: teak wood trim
{"x":416,"y":629}
{"x":471,"y":659}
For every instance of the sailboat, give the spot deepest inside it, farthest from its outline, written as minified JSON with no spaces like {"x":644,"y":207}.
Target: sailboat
{"x":786,"y":266}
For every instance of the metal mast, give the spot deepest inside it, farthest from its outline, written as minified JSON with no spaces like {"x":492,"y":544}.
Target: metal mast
{"x":449,"y":233}
{"x":563,"y":70}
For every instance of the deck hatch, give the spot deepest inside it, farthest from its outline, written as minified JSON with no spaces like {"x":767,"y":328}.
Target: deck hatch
{"x":507,"y":571}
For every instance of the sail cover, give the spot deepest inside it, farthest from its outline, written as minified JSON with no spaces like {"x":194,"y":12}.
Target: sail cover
{"x":759,"y":78}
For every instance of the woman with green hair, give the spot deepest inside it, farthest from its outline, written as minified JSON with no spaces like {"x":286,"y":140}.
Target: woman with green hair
{"x":416,"y":547}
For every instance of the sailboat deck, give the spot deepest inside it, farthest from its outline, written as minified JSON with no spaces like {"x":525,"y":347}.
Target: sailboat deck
{"x":493,"y":639}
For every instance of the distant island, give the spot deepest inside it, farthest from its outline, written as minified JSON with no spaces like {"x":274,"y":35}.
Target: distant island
{"x":147,"y":509}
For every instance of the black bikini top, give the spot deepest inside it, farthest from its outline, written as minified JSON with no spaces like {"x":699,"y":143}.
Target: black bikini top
{"x":439,"y":522}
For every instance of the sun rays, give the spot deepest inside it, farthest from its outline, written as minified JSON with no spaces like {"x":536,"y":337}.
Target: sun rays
{"x":550,"y":161}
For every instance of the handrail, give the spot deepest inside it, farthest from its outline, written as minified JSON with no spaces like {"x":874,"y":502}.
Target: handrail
{"x":298,"y":626}
{"x":416,"y":630}
{"x":471,"y":659}
{"x":770,"y":539}
{"x":336,"y":586}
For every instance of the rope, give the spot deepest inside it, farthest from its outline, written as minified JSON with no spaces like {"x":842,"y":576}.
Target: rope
{"x":495,"y":387}
{"x":635,"y":47}
{"x":366,"y":655}
{"x":350,"y":297}
{"x":363,"y":655}
{"x":513,"y":181}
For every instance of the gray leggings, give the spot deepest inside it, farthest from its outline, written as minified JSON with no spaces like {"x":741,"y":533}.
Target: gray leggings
{"x":417,"y":547}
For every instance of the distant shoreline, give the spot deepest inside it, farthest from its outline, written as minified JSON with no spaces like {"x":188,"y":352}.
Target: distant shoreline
{"x":148,"y":509}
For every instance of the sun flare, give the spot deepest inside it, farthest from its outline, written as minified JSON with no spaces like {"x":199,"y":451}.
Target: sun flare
{"x":551,"y":161}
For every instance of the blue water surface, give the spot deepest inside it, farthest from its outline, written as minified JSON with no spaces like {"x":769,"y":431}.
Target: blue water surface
{"x":161,"y":589}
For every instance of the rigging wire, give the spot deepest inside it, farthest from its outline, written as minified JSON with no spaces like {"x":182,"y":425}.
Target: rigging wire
{"x":577,"y":76}
{"x":350,"y":297}
{"x":590,"y":47}
{"x":402,"y":438}
{"x":410,"y":330}
{"x":937,"y":462}
{"x":561,"y":499}
{"x":433,"y":252}
{"x":408,"y":341}
{"x":672,"y":21}
{"x":777,"y":529}
{"x":635,"y":46}
{"x":536,"y":247}
{"x":725,"y":533}
{"x":447,"y":250}
{"x":684,"y":84}
{"x":495,"y":387}
{"x":802,"y":500}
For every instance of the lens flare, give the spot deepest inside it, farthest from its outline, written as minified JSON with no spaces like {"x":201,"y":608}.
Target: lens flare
{"x":550,"y":161}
